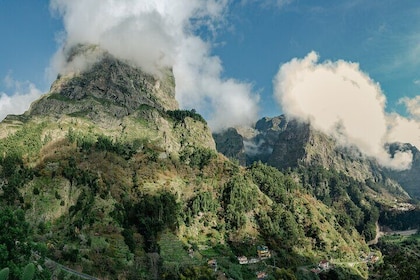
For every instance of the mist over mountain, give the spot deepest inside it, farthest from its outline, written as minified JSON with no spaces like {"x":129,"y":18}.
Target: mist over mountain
{"x":108,"y":177}
{"x":343,"y":102}
{"x":165,"y":37}
{"x":288,"y":143}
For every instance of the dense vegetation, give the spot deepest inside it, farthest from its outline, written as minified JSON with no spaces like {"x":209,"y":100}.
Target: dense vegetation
{"x":17,"y":249}
{"x":401,"y":258}
{"x":180,"y":115}
{"x":113,"y":207}
{"x":400,"y":220}
{"x":347,"y":196}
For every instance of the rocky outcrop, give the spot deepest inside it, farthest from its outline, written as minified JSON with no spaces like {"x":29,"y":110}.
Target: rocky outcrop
{"x":110,"y":87}
{"x":231,"y":144}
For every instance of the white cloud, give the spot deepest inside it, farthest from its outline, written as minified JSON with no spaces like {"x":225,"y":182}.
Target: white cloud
{"x":340,"y":100}
{"x":161,"y":33}
{"x":412,"y":106}
{"x":24,"y":93}
{"x":404,"y":130}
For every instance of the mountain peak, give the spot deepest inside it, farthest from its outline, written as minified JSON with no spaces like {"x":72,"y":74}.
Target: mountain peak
{"x":108,"y":86}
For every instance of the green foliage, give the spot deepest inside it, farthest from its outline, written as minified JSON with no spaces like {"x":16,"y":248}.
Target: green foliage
{"x":180,"y":115}
{"x":79,"y":177}
{"x":152,"y":214}
{"x":352,"y":208}
{"x":203,"y":202}
{"x":24,"y":142}
{"x":89,"y":142}
{"x":28,"y":272}
{"x":400,"y":258}
{"x":239,"y":197}
{"x":14,"y":239}
{"x":128,"y":234}
{"x":400,"y":220}
{"x":16,"y":175}
{"x":271,"y":181}
{"x":197,"y":156}
{"x":280,"y":227}
{"x":4,"y":273}
{"x":284,"y":274}
{"x":196,"y":272}
{"x":59,"y":97}
{"x":340,"y":273}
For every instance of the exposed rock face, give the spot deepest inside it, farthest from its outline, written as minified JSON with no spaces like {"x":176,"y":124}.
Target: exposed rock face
{"x":289,"y":147}
{"x":409,"y":178}
{"x":284,"y":143}
{"x":110,"y":87}
{"x":231,"y":144}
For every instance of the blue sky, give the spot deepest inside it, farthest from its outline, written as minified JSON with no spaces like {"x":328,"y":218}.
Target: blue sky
{"x":382,"y":36}
{"x":27,"y":32}
{"x":252,"y":39}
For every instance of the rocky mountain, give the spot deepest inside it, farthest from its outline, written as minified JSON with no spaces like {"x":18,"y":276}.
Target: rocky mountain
{"x":409,"y":178}
{"x":106,"y":176}
{"x":119,"y":100}
{"x":111,"y":86}
{"x":284,"y":143}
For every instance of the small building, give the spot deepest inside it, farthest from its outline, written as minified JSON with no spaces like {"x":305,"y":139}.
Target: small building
{"x":261,"y":275}
{"x":212,"y":264}
{"x":263,"y":252}
{"x":324,"y":265}
{"x":243,"y":260}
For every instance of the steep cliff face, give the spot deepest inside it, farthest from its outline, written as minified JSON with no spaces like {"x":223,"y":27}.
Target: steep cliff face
{"x":285,"y":143}
{"x":409,"y":178}
{"x":290,"y":145}
{"x":231,"y":144}
{"x":111,"y":87}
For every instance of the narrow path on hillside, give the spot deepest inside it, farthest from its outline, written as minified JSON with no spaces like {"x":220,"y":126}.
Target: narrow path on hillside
{"x":69,"y":270}
{"x":380,"y":233}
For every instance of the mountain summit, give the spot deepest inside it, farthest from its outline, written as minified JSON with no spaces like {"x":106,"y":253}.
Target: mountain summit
{"x":110,"y":87}
{"x":103,"y":94}
{"x":287,"y":143}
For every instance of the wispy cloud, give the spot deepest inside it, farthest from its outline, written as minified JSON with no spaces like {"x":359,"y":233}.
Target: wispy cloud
{"x":268,"y":3}
{"x":163,"y":33}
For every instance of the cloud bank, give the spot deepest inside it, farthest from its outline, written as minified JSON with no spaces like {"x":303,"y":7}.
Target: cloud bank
{"x":24,"y":93}
{"x":162,"y":33}
{"x":342,"y":101}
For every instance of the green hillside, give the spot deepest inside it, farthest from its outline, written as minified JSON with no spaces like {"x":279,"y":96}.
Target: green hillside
{"x":92,"y":186}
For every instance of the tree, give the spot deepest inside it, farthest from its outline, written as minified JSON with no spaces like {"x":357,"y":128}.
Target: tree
{"x":14,"y":245}
{"x":153,"y":214}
